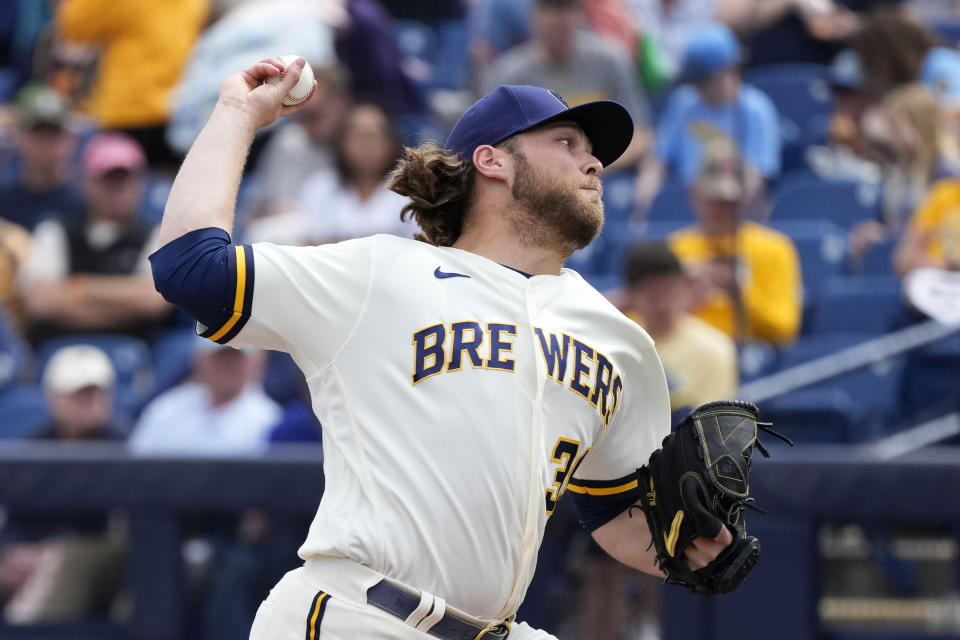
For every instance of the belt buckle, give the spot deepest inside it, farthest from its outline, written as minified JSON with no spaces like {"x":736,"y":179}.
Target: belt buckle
{"x":490,"y":628}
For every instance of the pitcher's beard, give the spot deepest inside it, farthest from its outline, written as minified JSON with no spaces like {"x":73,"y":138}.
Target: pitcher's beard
{"x":552,"y":213}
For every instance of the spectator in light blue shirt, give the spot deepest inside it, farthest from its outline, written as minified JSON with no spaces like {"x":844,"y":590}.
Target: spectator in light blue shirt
{"x":712,"y":103}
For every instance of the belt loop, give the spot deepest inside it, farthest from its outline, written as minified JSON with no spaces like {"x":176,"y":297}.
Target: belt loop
{"x":426,"y":602}
{"x":439,"y":610}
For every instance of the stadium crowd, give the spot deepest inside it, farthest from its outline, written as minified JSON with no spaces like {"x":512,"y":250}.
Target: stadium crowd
{"x":792,"y":188}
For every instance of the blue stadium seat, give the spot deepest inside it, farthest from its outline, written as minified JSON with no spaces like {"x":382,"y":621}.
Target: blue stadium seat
{"x":822,"y":247}
{"x":878,"y":259}
{"x":22,"y":411}
{"x":154,"y":200}
{"x":840,"y":201}
{"x":415,"y":39}
{"x":813,"y":416}
{"x":618,"y":195}
{"x":802,"y":96}
{"x":798,"y":91}
{"x":172,"y":358}
{"x":756,"y":359}
{"x":932,"y":377}
{"x":949,"y":30}
{"x":874,"y":390}
{"x":857,"y":304}
{"x":672,"y":203}
{"x":661,"y":229}
{"x":451,"y":64}
{"x":130,"y":356}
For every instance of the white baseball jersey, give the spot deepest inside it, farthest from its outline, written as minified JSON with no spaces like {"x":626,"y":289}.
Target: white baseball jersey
{"x":459,"y":398}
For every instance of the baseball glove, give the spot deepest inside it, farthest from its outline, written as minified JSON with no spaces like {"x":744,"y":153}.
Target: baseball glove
{"x":698,"y":482}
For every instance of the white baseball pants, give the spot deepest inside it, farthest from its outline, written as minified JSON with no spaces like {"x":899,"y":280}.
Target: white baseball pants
{"x":326,"y":600}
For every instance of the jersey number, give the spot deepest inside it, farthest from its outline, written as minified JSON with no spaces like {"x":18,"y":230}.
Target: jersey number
{"x":565,"y":455}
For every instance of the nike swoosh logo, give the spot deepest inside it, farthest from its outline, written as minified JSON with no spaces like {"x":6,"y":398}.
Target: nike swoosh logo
{"x":448,"y":274}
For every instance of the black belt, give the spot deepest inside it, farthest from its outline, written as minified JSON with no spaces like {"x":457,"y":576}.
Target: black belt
{"x":397,"y":601}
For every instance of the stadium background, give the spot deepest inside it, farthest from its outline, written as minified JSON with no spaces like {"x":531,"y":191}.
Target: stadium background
{"x":860,"y":534}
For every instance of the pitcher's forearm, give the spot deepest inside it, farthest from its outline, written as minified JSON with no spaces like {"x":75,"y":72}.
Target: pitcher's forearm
{"x":204,"y":193}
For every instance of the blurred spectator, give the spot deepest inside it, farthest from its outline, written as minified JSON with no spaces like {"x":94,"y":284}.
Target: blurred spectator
{"x":365,"y":45}
{"x":746,"y":276}
{"x":781,"y":31}
{"x":579,"y":65}
{"x":671,"y":23}
{"x":14,"y":249}
{"x":66,"y":569}
{"x":21,"y":22}
{"x":716,"y":105}
{"x":496,"y":26}
{"x":700,"y":361}
{"x":93,"y":275}
{"x":248,"y":32}
{"x":847,"y":154}
{"x":932,"y":238}
{"x":349,"y":200}
{"x":222,"y":411}
{"x":45,"y":144}
{"x":302,"y":146}
{"x":892,"y":48}
{"x":12,"y":351}
{"x":911,"y":134}
{"x":78,"y":384}
{"x":143,"y":49}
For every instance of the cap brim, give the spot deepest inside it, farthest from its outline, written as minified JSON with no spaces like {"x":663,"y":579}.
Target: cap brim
{"x":606,"y":123}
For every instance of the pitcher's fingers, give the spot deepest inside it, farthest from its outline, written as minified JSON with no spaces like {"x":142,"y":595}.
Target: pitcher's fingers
{"x":696,"y":557}
{"x":724,"y":537}
{"x":257,"y":73}
{"x":290,"y":76}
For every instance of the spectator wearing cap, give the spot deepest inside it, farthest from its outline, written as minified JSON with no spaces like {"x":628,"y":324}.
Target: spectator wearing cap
{"x":78,"y":385}
{"x":93,"y":274}
{"x":143,"y":50}
{"x":579,"y":65}
{"x":746,"y":276}
{"x":700,"y":361}
{"x":42,"y":187}
{"x":56,"y":570}
{"x":222,"y":410}
{"x":713,"y":104}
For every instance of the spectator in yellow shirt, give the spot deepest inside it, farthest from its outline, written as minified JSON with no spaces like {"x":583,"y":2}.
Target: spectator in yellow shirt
{"x":143,"y":49}
{"x":932,"y":238}
{"x":700,"y":361}
{"x":747,"y":276}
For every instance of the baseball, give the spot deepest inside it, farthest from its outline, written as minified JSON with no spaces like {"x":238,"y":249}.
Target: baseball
{"x":301,"y":90}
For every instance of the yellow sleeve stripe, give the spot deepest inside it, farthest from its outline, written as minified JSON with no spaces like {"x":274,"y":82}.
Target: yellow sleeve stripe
{"x":602,"y":491}
{"x":238,"y":300}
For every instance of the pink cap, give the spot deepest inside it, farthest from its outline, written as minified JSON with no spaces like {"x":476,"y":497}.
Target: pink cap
{"x":108,"y":151}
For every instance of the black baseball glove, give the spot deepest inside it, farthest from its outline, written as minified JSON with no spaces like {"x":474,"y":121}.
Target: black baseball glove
{"x":698,"y":482}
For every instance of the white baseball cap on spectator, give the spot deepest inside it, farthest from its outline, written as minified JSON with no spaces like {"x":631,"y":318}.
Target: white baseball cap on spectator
{"x":78,"y":367}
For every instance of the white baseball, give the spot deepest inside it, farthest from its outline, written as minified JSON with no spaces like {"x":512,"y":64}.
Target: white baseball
{"x":301,"y":90}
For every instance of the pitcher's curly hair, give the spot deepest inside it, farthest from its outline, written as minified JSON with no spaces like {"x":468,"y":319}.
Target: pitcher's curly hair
{"x":440,"y":187}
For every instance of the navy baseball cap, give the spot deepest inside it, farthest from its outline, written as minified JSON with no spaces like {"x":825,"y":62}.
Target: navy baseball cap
{"x":512,"y":109}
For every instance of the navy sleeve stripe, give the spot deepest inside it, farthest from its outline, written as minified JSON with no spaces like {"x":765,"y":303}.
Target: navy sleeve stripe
{"x":603,"y":487}
{"x":198,"y":272}
{"x":240,"y":263}
{"x":597,"y":502}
